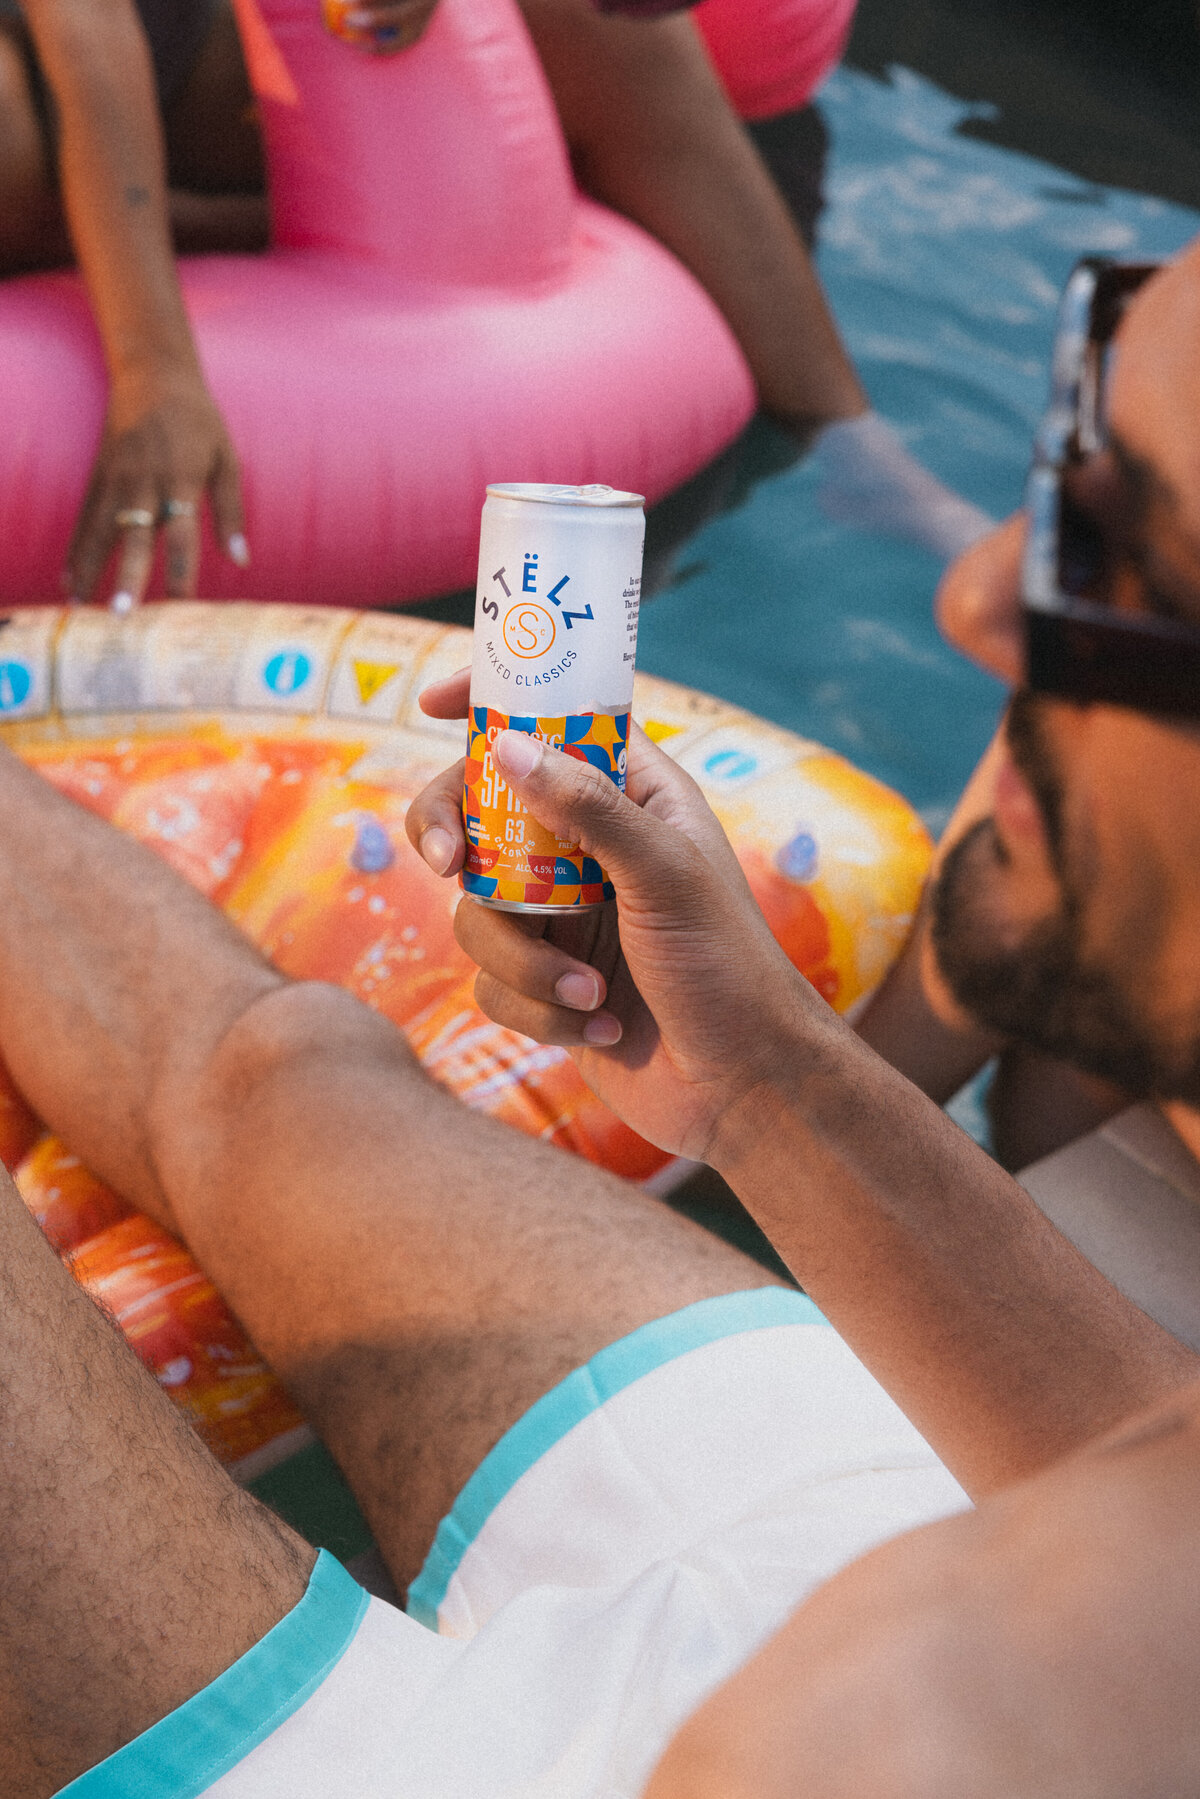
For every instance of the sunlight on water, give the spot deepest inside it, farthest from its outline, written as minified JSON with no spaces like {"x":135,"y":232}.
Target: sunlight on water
{"x":943,"y":257}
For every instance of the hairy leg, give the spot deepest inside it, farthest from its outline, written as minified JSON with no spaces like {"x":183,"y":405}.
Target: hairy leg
{"x":417,"y":1274}
{"x":135,"y":1571}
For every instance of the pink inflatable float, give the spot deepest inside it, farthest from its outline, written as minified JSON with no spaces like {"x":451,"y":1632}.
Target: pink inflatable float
{"x":440,"y":308}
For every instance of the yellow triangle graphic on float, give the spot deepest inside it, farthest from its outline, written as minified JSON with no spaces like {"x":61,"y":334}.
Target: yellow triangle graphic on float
{"x":371,"y":676}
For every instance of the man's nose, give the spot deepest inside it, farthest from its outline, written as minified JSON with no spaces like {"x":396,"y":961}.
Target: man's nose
{"x":978,"y":604}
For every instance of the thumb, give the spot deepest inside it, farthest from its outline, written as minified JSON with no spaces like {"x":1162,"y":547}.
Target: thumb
{"x":580,"y":804}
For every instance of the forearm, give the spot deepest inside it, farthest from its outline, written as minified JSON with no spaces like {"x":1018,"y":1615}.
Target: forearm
{"x":113,"y":181}
{"x":1005,"y":1347}
{"x":654,"y":136}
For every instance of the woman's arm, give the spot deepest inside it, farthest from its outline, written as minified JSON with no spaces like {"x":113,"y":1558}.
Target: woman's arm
{"x":164,"y":443}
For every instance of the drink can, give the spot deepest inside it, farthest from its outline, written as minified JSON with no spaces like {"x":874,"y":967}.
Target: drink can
{"x":556,"y":614}
{"x":334,"y":13}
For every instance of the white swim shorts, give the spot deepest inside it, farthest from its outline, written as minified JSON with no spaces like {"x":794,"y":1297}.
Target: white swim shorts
{"x":628,"y":1543}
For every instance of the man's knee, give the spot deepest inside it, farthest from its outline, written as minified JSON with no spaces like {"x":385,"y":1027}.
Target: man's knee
{"x":297,"y":1032}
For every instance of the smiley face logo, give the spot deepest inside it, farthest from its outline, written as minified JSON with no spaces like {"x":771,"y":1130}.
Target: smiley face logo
{"x":528,"y":630}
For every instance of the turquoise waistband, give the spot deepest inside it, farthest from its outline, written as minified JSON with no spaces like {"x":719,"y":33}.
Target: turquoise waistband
{"x":182,"y":1754}
{"x":586,"y":1388}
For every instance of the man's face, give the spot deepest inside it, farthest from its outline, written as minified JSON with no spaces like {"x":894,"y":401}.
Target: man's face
{"x":1070,"y":918}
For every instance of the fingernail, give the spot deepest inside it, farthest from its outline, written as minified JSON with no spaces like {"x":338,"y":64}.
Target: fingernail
{"x":582,"y":991}
{"x":602,"y":1030}
{"x":121,"y":603}
{"x":239,"y":550}
{"x":517,"y":754}
{"x":437,"y":849}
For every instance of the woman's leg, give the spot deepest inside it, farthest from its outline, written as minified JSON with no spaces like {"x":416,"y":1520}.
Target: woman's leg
{"x":214,"y":153}
{"x":32,"y":232}
{"x":215,"y":162}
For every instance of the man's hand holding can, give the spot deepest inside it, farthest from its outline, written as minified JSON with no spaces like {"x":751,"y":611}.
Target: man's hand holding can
{"x":676,"y":1000}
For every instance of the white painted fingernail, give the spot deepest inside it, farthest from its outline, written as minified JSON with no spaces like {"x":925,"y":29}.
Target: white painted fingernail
{"x":581,"y":991}
{"x":121,"y":603}
{"x":239,"y":550}
{"x":602,"y":1031}
{"x":437,"y":849}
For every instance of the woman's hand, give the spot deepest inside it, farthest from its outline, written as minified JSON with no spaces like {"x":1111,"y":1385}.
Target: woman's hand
{"x":164,"y":448}
{"x":391,"y":25}
{"x":676,"y":1001}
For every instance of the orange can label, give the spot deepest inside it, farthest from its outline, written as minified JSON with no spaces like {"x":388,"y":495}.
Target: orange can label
{"x":511,"y":858}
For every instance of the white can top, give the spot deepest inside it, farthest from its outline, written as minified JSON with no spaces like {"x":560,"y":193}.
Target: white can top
{"x":556,"y":607}
{"x":550,"y":494}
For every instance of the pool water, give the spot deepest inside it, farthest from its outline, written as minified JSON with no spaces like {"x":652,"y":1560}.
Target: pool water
{"x":943,"y":257}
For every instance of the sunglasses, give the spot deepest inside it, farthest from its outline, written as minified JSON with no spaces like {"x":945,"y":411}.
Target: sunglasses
{"x":1079,"y":645}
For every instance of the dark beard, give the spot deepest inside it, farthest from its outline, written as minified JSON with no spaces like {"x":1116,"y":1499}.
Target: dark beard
{"x":1041,"y":991}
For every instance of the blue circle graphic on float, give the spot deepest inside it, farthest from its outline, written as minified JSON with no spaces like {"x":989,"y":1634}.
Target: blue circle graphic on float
{"x":287,"y":672}
{"x":730,"y":765}
{"x":798,"y":858}
{"x":15,"y":682}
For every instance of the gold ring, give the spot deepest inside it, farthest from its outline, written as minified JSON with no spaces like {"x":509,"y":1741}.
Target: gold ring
{"x":134,"y":518}
{"x":179,"y":509}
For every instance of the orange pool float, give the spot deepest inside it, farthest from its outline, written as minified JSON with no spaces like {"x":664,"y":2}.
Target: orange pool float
{"x":270,"y":753}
